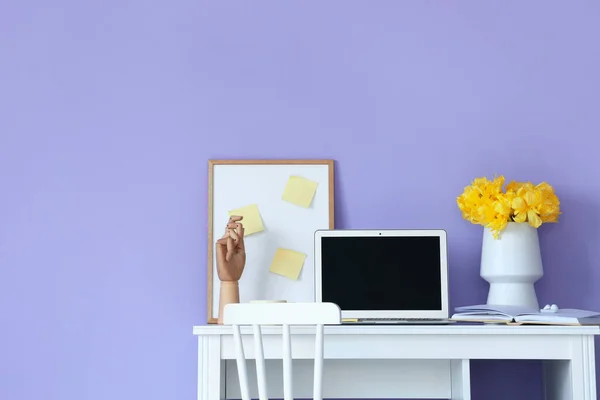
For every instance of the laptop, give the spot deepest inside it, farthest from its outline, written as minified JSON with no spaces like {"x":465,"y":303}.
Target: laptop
{"x":384,"y":276}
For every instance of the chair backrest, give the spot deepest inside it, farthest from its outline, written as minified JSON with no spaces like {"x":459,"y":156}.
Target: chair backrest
{"x":284,"y":315}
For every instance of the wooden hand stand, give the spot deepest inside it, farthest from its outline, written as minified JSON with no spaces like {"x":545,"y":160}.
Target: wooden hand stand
{"x":229,"y":293}
{"x":231,"y":260}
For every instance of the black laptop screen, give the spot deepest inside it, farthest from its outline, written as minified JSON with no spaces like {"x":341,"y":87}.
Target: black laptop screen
{"x":382,"y":273}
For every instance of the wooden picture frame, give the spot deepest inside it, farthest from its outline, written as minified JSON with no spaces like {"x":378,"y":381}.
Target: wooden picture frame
{"x":253,"y":179}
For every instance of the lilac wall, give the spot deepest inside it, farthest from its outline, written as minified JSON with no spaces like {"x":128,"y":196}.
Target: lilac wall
{"x":110,"y":110}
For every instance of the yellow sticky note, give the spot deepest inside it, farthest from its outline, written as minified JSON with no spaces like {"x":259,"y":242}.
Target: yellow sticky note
{"x":287,"y":263}
{"x":299,"y":191}
{"x":252,"y":221}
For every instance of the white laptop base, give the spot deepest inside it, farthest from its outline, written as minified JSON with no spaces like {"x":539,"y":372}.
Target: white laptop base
{"x":397,"y":321}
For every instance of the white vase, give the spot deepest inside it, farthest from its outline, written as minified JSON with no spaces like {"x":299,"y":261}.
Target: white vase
{"x":512,"y":264}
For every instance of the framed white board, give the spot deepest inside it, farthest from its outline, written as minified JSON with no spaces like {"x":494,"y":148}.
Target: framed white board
{"x":287,"y":223}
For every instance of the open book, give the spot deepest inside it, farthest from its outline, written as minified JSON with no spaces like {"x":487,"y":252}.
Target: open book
{"x":524,"y":315}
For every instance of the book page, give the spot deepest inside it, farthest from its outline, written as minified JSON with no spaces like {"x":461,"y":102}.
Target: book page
{"x":572,"y":313}
{"x":481,"y":317}
{"x":561,"y":316}
{"x":508,"y":310}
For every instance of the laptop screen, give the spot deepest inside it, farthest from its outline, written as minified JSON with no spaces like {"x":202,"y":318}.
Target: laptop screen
{"x":382,"y":272}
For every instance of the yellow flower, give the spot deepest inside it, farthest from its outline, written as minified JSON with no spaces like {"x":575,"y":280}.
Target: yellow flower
{"x":549,"y":209}
{"x":521,"y":199}
{"x":513,"y":186}
{"x":502,"y":211}
{"x":468,"y":203}
{"x":484,"y":203}
{"x":533,"y":204}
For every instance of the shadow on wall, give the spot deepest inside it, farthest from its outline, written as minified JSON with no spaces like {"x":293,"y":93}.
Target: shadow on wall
{"x":500,"y":379}
{"x":466,"y":287}
{"x":570,"y":278}
{"x":340,"y":207}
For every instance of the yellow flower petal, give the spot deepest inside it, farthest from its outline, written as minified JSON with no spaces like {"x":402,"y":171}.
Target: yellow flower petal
{"x":502,"y":208}
{"x":513,"y":186}
{"x":520,"y":217}
{"x":534,"y":219}
{"x":519,"y":205}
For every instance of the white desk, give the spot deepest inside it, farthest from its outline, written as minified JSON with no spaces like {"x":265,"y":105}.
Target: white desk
{"x":400,"y":361}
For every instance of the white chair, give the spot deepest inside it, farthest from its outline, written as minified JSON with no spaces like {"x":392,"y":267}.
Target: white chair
{"x":284,"y":315}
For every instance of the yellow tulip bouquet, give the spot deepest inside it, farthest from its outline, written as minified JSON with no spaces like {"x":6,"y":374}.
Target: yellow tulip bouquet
{"x":486,"y":203}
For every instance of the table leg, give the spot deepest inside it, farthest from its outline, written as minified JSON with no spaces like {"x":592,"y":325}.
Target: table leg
{"x":211,"y":370}
{"x":460,"y":371}
{"x":573,"y":379}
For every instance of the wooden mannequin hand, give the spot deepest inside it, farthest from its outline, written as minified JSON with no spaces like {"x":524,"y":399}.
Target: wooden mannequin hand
{"x":231,"y":253}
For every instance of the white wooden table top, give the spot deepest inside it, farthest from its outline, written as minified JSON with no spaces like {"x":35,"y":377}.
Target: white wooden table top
{"x":454,"y":329}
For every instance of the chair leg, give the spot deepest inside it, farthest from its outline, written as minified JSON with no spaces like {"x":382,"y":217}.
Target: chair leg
{"x":287,"y":364}
{"x":241,"y":363}
{"x":319,"y":354}
{"x":261,"y":376}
